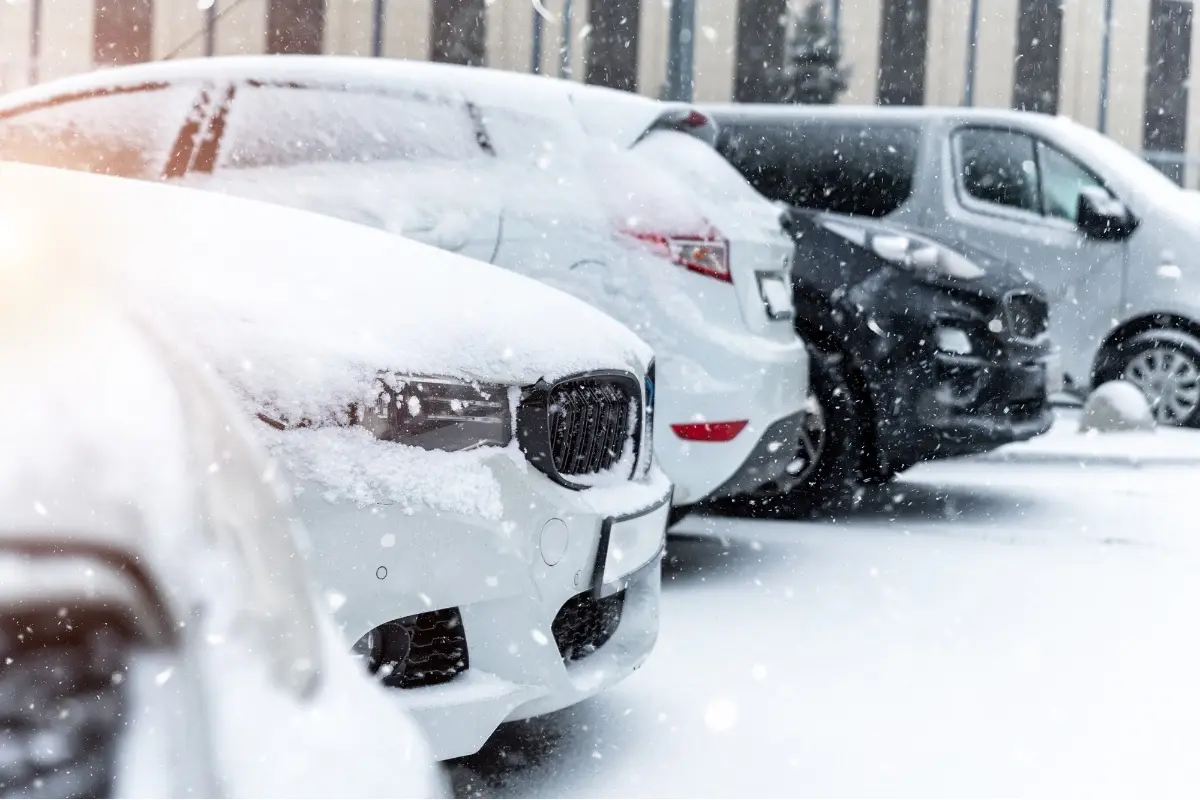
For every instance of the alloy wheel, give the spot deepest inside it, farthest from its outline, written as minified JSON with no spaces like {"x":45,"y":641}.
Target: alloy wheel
{"x":1170,"y":380}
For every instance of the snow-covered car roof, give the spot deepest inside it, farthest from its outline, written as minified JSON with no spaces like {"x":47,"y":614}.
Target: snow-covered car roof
{"x":300,"y":312}
{"x":620,"y":117}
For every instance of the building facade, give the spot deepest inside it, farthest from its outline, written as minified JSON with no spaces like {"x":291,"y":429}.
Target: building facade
{"x":1040,"y":55}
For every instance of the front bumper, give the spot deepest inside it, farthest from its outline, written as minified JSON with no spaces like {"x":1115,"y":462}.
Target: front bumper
{"x":507,"y":581}
{"x":973,"y":405}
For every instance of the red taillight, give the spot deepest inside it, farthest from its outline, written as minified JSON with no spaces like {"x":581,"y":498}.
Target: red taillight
{"x":707,"y":254}
{"x":695,"y":119}
{"x":709,"y":431}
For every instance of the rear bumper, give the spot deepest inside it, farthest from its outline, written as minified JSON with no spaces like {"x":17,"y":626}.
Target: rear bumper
{"x":767,"y":461}
{"x":767,"y":388}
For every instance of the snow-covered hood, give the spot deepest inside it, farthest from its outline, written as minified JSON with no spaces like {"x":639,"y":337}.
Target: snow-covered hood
{"x":299,"y":311}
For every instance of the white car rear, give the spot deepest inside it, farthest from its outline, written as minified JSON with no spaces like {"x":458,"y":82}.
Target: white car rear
{"x":158,"y":637}
{"x":599,"y":193}
{"x":486,"y":521}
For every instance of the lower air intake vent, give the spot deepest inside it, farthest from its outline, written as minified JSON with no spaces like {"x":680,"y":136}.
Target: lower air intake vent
{"x":437,"y":649}
{"x":584,"y":624}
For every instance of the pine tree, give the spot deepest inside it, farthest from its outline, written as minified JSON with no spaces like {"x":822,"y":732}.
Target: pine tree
{"x":812,"y":70}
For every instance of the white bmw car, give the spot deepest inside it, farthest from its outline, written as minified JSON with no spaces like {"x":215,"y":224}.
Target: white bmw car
{"x":471,"y":448}
{"x":158,"y":633}
{"x":614,"y":198}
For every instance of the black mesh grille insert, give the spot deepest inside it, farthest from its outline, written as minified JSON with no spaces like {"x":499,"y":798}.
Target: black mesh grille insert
{"x":581,"y":426}
{"x":437,"y":649}
{"x":584,"y":624}
{"x":589,"y":426}
{"x":1028,"y":316}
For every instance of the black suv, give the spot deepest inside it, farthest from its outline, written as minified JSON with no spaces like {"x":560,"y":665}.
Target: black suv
{"x":919,"y":351}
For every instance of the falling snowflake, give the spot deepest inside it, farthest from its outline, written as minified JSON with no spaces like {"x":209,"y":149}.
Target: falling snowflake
{"x":720,"y":715}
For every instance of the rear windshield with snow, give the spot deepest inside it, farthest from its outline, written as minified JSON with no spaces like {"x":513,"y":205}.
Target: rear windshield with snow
{"x":843,"y":166}
{"x":528,"y":136}
{"x":704,"y":170}
{"x":719,"y":190}
{"x":277,"y":126}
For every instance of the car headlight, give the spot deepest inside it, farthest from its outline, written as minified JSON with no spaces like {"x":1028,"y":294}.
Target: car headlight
{"x":438,"y":413}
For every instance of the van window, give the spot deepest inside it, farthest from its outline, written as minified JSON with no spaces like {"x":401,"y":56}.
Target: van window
{"x":1063,"y":179}
{"x":1016,"y":170}
{"x":999,"y":167}
{"x":847,"y":167}
{"x":130,"y":134}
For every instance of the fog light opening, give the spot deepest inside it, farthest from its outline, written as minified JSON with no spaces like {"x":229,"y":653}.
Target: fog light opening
{"x":384,"y":650}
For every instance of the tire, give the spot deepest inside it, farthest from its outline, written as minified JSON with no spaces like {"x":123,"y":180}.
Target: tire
{"x":830,"y":481}
{"x":677,"y":514}
{"x":1165,"y":365}
{"x":62,"y":700}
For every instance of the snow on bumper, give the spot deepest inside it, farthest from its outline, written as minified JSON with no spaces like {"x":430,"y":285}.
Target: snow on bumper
{"x":509,"y":579}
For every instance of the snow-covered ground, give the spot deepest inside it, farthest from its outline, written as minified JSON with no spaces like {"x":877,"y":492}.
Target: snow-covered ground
{"x":1022,"y":624}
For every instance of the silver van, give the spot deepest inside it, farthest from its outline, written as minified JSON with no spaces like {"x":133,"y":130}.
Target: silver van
{"x":1114,"y":242}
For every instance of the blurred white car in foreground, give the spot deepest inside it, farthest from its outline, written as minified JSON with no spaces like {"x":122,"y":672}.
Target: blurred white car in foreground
{"x":158,"y":637}
{"x":471,"y":447}
{"x":608,"y":196}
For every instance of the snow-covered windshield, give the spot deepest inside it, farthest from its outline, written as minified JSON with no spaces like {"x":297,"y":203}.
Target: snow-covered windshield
{"x":270,"y":125}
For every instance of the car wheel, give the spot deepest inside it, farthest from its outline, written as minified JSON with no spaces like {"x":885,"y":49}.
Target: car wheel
{"x":1165,"y":365}
{"x":824,"y":475}
{"x":61,"y":706}
{"x":677,"y":515}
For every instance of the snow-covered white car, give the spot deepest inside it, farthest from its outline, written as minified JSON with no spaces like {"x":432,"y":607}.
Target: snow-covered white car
{"x":471,"y":447}
{"x":158,"y":633}
{"x":614,"y":198}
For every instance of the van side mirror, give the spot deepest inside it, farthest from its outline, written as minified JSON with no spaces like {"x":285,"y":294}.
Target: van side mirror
{"x":1102,"y":216}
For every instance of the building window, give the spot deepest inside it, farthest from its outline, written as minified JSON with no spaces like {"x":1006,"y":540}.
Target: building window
{"x":1039,"y":44}
{"x":122,"y":30}
{"x":760,"y":46}
{"x":612,"y":56}
{"x":458,"y":32}
{"x":1168,"y":69}
{"x":295,"y":26}
{"x":904,"y":31}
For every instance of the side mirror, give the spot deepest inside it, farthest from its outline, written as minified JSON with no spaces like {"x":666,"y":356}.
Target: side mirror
{"x":1102,"y":216}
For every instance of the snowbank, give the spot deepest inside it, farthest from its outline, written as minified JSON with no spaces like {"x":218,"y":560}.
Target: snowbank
{"x":1116,"y":406}
{"x":1063,"y":443}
